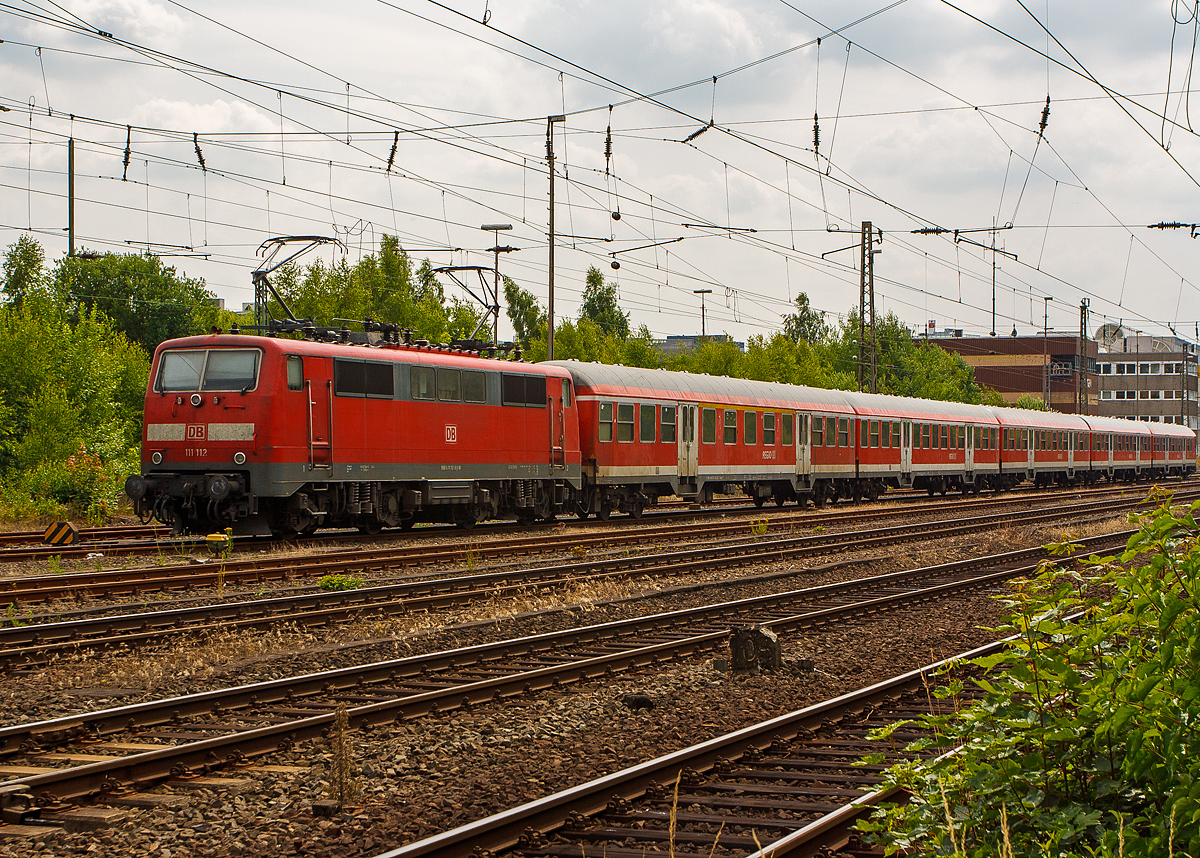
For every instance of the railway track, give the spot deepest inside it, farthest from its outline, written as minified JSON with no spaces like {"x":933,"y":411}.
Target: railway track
{"x":232,"y":725}
{"x":131,"y":541}
{"x":791,"y":786}
{"x":28,"y":644}
{"x":23,"y":591}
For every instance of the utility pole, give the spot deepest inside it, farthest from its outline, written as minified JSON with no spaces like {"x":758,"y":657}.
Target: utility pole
{"x":1046,"y":350}
{"x":702,"y":293}
{"x":1081,"y":402}
{"x":550,"y":120}
{"x":866,"y":302}
{"x":496,"y":249}
{"x":71,"y":196}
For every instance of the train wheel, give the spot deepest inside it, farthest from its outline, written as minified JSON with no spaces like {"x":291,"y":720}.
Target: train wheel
{"x":759,"y":501}
{"x":371,"y":529}
{"x":818,"y":498}
{"x":604,"y":512}
{"x":581,"y":513}
{"x":780,"y":500}
{"x":407,"y":523}
{"x":636,"y":509}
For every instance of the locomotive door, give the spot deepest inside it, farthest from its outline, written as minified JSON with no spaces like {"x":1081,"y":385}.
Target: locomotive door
{"x":558,"y":430}
{"x":318,"y":392}
{"x":688,"y":449}
{"x":803,"y":451}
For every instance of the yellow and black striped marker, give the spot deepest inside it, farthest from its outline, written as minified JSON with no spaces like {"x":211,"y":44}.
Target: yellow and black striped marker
{"x":61,"y":533}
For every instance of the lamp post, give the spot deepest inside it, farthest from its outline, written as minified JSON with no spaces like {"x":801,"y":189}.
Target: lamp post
{"x":496,"y":249}
{"x":702,"y":293}
{"x":1046,"y":350}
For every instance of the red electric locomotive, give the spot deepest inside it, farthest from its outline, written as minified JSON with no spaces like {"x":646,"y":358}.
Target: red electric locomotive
{"x":279,"y":435}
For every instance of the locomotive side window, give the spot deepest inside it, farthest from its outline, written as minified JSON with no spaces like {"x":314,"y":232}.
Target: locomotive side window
{"x":768,"y":430}
{"x":380,"y":380}
{"x":421,"y":382}
{"x":818,"y":432}
{"x":786,"y":430}
{"x":750,"y":428}
{"x":708,"y":426}
{"x":646,"y":423}
{"x":295,"y":372}
{"x":667,"y":416}
{"x":606,"y":421}
{"x":474,"y":385}
{"x":730,"y":436}
{"x":566,"y":394}
{"x":624,"y":421}
{"x":449,"y":385}
{"x":843,"y":439}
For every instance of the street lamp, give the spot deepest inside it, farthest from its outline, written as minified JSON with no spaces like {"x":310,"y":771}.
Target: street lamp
{"x":496,"y":249}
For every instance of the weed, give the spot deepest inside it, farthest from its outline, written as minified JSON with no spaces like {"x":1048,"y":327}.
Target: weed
{"x":473,"y":556}
{"x":339,"y":582}
{"x":11,"y":615}
{"x":54,"y":561}
{"x":758,"y":527}
{"x":820,"y":528}
{"x":579,"y":552}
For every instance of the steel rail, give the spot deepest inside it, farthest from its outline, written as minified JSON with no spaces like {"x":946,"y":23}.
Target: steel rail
{"x":31,"y":644}
{"x":234,"y":747}
{"x":32,"y":590}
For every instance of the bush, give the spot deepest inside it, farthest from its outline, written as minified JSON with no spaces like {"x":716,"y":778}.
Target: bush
{"x":339,"y":582}
{"x":1087,"y":738}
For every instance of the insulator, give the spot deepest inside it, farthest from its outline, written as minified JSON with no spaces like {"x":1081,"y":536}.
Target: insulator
{"x":1045,"y":118}
{"x":392,"y":156}
{"x":816,"y":134}
{"x":125,"y":163}
{"x":199,"y":154}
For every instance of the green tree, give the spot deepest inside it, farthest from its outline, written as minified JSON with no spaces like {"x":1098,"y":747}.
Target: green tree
{"x":527,"y":316}
{"x":147,"y":300}
{"x":806,"y":324}
{"x":23,"y":268}
{"x":1031,"y":402}
{"x":600,"y":306}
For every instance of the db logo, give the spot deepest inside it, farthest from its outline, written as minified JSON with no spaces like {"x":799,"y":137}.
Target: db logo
{"x":195,"y":431}
{"x":451,"y":434}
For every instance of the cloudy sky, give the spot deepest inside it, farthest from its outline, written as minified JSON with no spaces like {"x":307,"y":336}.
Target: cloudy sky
{"x":928,"y":116}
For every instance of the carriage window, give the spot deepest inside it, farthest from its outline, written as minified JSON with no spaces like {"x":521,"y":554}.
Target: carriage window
{"x":474,"y":385}
{"x":624,"y":421}
{"x":667,"y":416}
{"x":295,"y":372}
{"x":962,"y":437}
{"x":924,"y":436}
{"x":750,"y":428}
{"x":646,"y":425}
{"x":830,"y":431}
{"x":421,"y":381}
{"x":874,"y":433}
{"x":708,"y":426}
{"x":768,"y":430}
{"x":730,"y":436}
{"x":449,"y":385}
{"x":978,"y":437}
{"x":843,"y":432}
{"x":863,"y":434}
{"x":945,"y":437}
{"x":896,"y":434}
{"x":818,"y":431}
{"x":885,"y":436}
{"x":606,"y":421}
{"x":786,"y":430}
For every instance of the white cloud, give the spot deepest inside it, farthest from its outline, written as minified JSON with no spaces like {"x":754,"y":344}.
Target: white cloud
{"x":217,"y":116}
{"x":130,"y":19}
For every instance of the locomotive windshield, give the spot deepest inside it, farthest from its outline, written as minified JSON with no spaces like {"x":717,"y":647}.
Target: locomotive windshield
{"x":208,"y":369}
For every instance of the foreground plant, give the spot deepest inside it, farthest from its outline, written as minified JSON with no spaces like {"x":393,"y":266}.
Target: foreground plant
{"x":1086,"y":740}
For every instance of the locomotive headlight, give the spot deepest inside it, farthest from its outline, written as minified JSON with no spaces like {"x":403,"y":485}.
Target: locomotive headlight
{"x":156,"y":458}
{"x":239,"y":458}
{"x":197,"y":400}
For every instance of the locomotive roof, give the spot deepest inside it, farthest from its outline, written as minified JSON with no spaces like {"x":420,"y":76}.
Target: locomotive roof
{"x":359,"y":351}
{"x":637,"y":381}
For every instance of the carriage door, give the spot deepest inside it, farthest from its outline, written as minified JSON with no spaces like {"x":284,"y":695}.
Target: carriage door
{"x":688,"y":449}
{"x":969,"y":448}
{"x":803,"y":450}
{"x":906,"y":448}
{"x":318,"y":391}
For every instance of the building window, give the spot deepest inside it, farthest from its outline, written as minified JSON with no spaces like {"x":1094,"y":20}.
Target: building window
{"x":1105,"y":368}
{"x":1144,"y":368}
{"x":625,"y":421}
{"x":1156,"y":394}
{"x":1143,"y":394}
{"x":667,"y":416}
{"x":1106,"y":394}
{"x":1156,"y":369}
{"x":646,"y":426}
{"x":768,"y":430}
{"x":730,"y":436}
